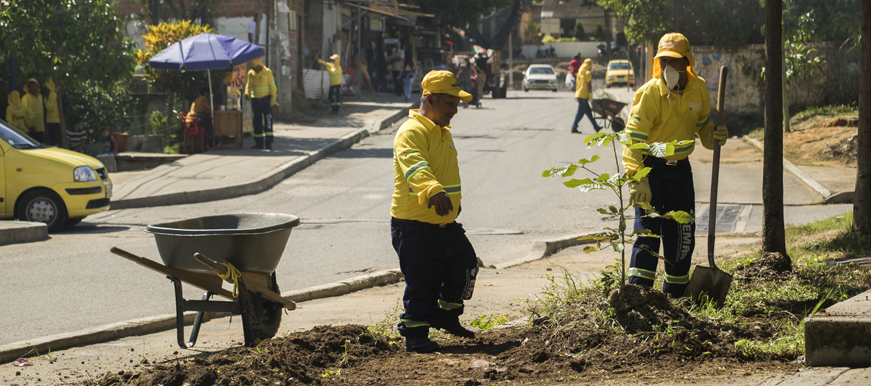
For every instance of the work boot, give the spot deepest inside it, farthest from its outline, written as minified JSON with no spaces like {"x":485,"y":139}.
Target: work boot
{"x":452,"y":326}
{"x":269,"y":145}
{"x":420,"y":344}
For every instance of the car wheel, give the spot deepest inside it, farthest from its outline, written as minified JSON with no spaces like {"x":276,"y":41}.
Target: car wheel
{"x":42,"y":206}
{"x":525,"y":89}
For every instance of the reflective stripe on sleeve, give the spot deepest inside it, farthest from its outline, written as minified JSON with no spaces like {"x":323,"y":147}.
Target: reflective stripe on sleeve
{"x":452,"y":189}
{"x":642,"y":273}
{"x":416,"y":168}
{"x":638,"y":136}
{"x":702,"y":123}
{"x":684,"y":149}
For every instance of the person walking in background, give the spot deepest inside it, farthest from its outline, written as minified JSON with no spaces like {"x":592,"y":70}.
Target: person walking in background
{"x":363,"y":74}
{"x":77,"y":136}
{"x":35,"y":111}
{"x":672,"y":106}
{"x":16,"y":113}
{"x":481,"y":74}
{"x":408,"y":80}
{"x":464,"y":75}
{"x":574,"y":66}
{"x":109,"y":145}
{"x":583,"y":93}
{"x":261,"y":91}
{"x":436,"y":257}
{"x":52,"y":116}
{"x":335,"y":70}
{"x":202,"y":109}
{"x":397,"y":59}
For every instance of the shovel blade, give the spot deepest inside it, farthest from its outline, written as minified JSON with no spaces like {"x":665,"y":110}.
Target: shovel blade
{"x":712,"y":282}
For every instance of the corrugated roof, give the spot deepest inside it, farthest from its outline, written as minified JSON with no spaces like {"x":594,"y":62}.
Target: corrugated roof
{"x":571,"y":9}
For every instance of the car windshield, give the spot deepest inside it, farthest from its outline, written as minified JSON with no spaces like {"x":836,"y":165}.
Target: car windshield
{"x":541,"y":70}
{"x":16,"y":138}
{"x":618,"y":66}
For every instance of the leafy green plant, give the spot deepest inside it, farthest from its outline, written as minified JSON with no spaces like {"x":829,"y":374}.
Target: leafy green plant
{"x":158,"y":123}
{"x":486,"y":322}
{"x":616,"y":238}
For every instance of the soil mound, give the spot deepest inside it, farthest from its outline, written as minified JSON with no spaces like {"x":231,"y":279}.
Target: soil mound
{"x":771,"y":266}
{"x":844,"y":149}
{"x":640,"y":308}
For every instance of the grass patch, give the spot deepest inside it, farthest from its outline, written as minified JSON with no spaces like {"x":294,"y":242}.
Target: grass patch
{"x":830,"y":111}
{"x":763,"y":317}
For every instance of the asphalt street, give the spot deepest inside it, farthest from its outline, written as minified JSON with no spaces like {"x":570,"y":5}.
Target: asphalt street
{"x":72,"y":282}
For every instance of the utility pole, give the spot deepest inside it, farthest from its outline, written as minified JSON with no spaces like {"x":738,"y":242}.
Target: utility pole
{"x":510,"y":58}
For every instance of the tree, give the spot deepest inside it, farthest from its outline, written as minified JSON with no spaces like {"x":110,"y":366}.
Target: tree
{"x":580,"y":34}
{"x":773,"y":234}
{"x":862,"y":199}
{"x":78,"y":44}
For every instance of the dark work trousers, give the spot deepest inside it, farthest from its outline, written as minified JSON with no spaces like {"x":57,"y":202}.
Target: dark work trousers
{"x":397,"y":82}
{"x":671,"y":187}
{"x":584,"y":109}
{"x":262,"y":120}
{"x":335,"y":98}
{"x":206,"y":122}
{"x":440,"y":267}
{"x":52,"y":132}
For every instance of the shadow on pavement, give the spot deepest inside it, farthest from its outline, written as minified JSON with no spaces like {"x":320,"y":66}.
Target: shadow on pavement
{"x":89,"y":228}
{"x":365,"y":153}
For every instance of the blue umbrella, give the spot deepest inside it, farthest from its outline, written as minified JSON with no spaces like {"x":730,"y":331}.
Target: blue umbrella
{"x":205,"y":52}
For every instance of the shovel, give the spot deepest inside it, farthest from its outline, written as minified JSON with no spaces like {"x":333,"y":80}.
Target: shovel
{"x":712,"y":281}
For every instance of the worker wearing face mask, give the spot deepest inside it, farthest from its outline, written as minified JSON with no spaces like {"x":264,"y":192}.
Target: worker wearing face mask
{"x":673,"y":105}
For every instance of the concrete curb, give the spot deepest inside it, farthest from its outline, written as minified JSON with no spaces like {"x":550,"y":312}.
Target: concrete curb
{"x":14,"y":232}
{"x":544,"y":248}
{"x":160,"y":323}
{"x":838,"y":335}
{"x":268,"y":181}
{"x":828,"y":197}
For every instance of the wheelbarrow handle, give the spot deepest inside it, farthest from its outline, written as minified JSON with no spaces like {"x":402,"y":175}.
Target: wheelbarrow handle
{"x":250,"y":284}
{"x":715,"y":172}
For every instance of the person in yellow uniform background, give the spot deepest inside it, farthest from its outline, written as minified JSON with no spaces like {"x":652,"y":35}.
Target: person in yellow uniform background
{"x":436,"y":257}
{"x":52,"y":116}
{"x":673,"y":105}
{"x":35,"y":111}
{"x":16,"y":114}
{"x":583,"y":94}
{"x":202,"y":109}
{"x":335,"y":70}
{"x":260,"y":89}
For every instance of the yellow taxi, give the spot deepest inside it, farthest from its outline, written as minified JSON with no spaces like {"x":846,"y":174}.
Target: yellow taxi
{"x":619,"y":72}
{"x":55,"y":186}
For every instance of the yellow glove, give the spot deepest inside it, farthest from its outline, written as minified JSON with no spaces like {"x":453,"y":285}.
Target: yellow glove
{"x":639,"y":191}
{"x":720,"y":133}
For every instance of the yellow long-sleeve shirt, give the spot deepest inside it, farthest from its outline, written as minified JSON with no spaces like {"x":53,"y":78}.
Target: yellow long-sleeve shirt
{"x":582,"y":83}
{"x":335,"y":71}
{"x":424,"y":164}
{"x":35,"y":112}
{"x":51,"y":113}
{"x":660,"y":115}
{"x":261,"y":84}
{"x":17,"y":117}
{"x":201,"y":107}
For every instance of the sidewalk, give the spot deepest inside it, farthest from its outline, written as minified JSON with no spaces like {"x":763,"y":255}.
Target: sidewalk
{"x":226,"y":173}
{"x":501,"y":290}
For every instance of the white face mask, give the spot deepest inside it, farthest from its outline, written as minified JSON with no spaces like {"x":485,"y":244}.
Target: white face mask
{"x":671,"y":76}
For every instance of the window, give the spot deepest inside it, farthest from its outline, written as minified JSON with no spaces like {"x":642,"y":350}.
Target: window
{"x":541,"y":70}
{"x":619,"y":66}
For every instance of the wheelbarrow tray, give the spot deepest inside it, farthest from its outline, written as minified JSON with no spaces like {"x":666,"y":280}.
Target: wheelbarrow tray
{"x":252,"y":242}
{"x":603,"y":106}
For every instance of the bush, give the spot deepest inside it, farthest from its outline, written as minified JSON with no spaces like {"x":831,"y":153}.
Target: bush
{"x":599,"y":33}
{"x":580,"y":34}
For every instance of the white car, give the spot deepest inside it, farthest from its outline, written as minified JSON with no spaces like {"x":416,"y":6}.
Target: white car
{"x":539,"y":77}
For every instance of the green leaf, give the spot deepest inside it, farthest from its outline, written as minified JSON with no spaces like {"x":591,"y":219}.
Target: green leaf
{"x":593,"y":138}
{"x":680,"y":216}
{"x":564,"y":171}
{"x":638,"y":146}
{"x":595,"y":237}
{"x":574,"y":183}
{"x":660,"y":149}
{"x":603,"y":211}
{"x":640,"y":174}
{"x":645,"y":205}
{"x":613,"y":209}
{"x":589,"y":249}
{"x":603,"y":177}
{"x":584,"y":161}
{"x":617,"y":245}
{"x":592,"y":186}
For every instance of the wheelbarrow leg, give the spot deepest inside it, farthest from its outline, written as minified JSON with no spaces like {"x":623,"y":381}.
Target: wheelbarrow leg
{"x":248,"y":316}
{"x":195,"y":330}
{"x":179,"y":312}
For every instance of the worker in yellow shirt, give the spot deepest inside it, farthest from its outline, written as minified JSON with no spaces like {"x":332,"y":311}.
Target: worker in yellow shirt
{"x":435,"y":255}
{"x":16,"y":114}
{"x":35,"y":111}
{"x":52,"y":116}
{"x":335,"y":70}
{"x":673,"y":105}
{"x":583,"y":94}
{"x":260,"y":89}
{"x":202,"y":109}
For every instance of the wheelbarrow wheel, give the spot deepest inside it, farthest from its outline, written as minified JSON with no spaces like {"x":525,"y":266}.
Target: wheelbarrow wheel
{"x":263,"y":317}
{"x":618,"y":125}
{"x":270,"y":318}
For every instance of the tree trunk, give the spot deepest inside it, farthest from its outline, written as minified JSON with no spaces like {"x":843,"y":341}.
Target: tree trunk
{"x":862,"y":199}
{"x":773,"y":235}
{"x":64,"y":141}
{"x":168,"y":133}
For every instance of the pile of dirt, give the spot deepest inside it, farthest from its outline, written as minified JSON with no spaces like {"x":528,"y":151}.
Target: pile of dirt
{"x":640,"y":308}
{"x":771,"y":266}
{"x":845,"y":150}
{"x":822,"y":141}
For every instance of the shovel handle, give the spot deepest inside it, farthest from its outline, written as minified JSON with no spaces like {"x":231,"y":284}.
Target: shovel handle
{"x":715,"y":172}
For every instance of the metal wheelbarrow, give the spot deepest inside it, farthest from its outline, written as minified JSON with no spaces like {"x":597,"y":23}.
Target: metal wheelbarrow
{"x":193,"y":251}
{"x":608,"y":111}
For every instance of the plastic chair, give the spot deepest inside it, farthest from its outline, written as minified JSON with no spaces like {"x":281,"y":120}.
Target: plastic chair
{"x":192,"y":128}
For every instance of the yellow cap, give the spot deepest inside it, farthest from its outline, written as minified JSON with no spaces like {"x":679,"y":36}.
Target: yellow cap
{"x":674,"y":45}
{"x":334,"y":57}
{"x":443,"y":82}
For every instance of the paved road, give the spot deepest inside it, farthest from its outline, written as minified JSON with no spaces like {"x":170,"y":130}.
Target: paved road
{"x":72,"y":282}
